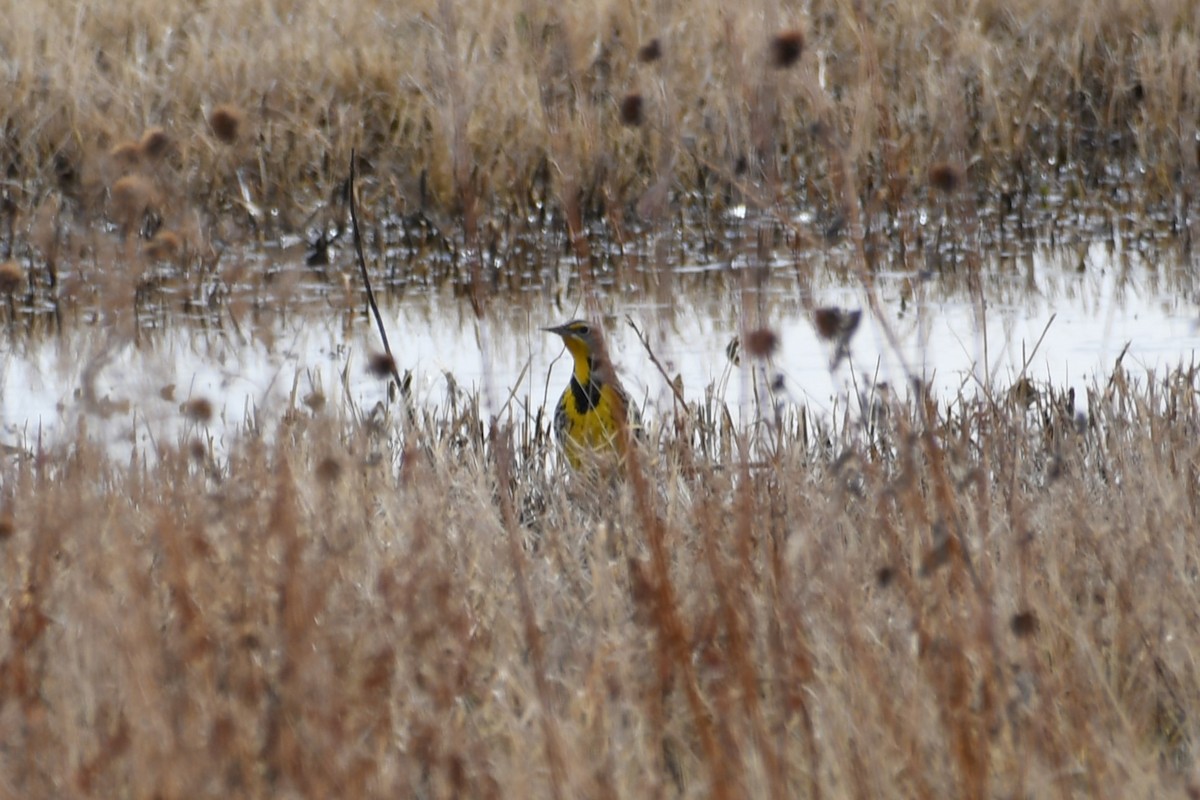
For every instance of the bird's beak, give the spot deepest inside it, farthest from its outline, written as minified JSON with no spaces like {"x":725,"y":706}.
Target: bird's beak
{"x":559,"y":330}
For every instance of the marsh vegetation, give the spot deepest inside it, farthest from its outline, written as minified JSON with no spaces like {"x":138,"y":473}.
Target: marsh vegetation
{"x":985,"y":593}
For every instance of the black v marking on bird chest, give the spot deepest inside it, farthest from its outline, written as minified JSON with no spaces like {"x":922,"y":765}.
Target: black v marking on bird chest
{"x":586,"y":397}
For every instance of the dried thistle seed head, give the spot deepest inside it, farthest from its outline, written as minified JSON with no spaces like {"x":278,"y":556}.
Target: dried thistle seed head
{"x":835,"y":323}
{"x":762,"y":343}
{"x":1024,"y":623}
{"x":884,"y":576}
{"x":225,"y":121}
{"x":315,"y":401}
{"x":155,"y":143}
{"x":198,"y":409}
{"x":381,"y":365}
{"x":946,"y":177}
{"x":164,"y":246}
{"x":631,"y":109}
{"x":329,"y":470}
{"x":786,"y":48}
{"x":197,"y":450}
{"x":651,"y":51}
{"x":131,"y":196}
{"x":126,"y":154}
{"x":11,"y":276}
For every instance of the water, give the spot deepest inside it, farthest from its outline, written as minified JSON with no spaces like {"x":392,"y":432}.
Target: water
{"x":1043,"y":317}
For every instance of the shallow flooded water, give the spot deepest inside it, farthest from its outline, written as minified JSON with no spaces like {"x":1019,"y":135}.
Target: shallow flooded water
{"x":1059,"y":318}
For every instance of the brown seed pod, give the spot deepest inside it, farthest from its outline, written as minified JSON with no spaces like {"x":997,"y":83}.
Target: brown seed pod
{"x":131,"y":195}
{"x":884,"y":576}
{"x":126,"y":154}
{"x":329,"y":469}
{"x":164,"y":246}
{"x":314,"y":401}
{"x":946,"y":177}
{"x":1024,"y":623}
{"x":198,"y":409}
{"x":631,"y":109}
{"x":649,"y":52}
{"x":762,"y":343}
{"x":11,"y":276}
{"x":835,"y":323}
{"x":786,"y":48}
{"x":225,"y":121}
{"x":155,"y":143}
{"x":381,"y":365}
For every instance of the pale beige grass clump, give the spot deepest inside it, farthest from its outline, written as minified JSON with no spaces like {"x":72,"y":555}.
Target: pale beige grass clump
{"x":481,"y":107}
{"x":994,"y":602}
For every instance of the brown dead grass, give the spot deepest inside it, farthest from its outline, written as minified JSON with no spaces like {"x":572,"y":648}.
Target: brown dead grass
{"x":989,"y":601}
{"x":494,"y":108}
{"x":982,"y":600}
{"x":158,"y":151}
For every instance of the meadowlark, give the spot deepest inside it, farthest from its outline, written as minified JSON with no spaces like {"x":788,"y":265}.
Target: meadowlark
{"x":593,"y":407}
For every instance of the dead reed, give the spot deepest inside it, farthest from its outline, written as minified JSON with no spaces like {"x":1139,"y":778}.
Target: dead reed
{"x":974,"y":599}
{"x":526,"y":107}
{"x":994,"y":600}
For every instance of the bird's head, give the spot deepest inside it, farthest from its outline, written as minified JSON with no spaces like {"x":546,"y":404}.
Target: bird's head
{"x":581,"y":338}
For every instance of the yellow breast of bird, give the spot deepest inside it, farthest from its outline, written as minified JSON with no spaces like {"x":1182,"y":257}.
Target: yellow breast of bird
{"x":587,"y":420}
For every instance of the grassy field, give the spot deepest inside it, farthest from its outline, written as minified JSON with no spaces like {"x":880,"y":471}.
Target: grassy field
{"x":984,"y":597}
{"x":238,"y":116}
{"x":989,"y":599}
{"x":205,"y":149}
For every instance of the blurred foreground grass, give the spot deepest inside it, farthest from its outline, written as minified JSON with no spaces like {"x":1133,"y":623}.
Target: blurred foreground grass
{"x":990,"y":599}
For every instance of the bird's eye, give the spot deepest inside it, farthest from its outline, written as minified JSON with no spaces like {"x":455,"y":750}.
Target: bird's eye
{"x":582,"y":329}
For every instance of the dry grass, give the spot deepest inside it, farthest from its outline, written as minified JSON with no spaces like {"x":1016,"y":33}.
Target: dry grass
{"x":498,"y":111}
{"x":982,"y":601}
{"x":167,"y":157}
{"x":986,"y":599}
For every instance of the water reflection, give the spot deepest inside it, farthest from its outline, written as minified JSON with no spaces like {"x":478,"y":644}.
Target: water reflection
{"x":1062,"y":317}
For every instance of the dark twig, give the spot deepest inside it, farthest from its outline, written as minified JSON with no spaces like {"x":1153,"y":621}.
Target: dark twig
{"x":401,"y":383}
{"x":658,"y":364}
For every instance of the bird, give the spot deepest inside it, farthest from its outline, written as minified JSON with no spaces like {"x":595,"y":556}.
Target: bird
{"x":593,"y":407}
